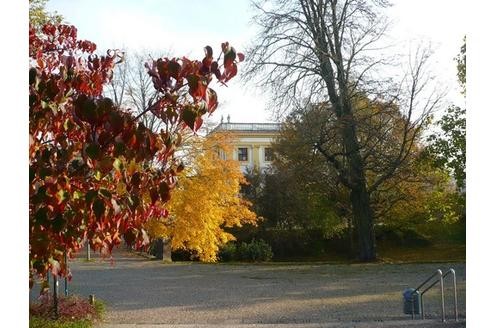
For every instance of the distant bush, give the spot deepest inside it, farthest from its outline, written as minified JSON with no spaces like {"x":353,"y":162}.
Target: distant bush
{"x":445,"y":232}
{"x":243,"y":252}
{"x":228,"y":252}
{"x":254,"y":251}
{"x":401,"y":236}
{"x":302,"y":243}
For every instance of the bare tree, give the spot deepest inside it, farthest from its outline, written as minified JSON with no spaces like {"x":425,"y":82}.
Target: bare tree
{"x":325,"y":52}
{"x":132,"y":87}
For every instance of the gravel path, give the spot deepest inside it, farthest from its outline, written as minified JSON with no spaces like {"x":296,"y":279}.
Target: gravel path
{"x":141,"y":291}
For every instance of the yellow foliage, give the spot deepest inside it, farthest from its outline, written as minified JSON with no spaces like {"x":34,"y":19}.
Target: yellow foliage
{"x":206,"y":200}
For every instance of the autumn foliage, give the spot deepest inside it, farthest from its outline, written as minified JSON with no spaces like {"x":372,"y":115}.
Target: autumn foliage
{"x":95,"y":171}
{"x":206,"y":201}
{"x":70,"y":308}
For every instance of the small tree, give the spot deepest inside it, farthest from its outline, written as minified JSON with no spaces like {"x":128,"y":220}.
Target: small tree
{"x":95,"y":172}
{"x":206,"y":201}
{"x":449,"y":146}
{"x":38,"y":16}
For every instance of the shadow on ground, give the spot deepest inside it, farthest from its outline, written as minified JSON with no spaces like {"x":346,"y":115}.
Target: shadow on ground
{"x":139,"y":290}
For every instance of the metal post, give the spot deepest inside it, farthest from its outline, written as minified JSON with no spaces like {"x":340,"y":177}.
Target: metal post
{"x":88,"y":251}
{"x":55,"y":296}
{"x":66,"y":284}
{"x":422,"y":307}
{"x":441,"y":291}
{"x":456,"y":313}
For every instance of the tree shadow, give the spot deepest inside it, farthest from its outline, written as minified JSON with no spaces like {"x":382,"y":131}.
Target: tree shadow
{"x":138,"y":290}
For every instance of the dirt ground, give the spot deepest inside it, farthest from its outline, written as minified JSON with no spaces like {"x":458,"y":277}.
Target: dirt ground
{"x":141,"y":291}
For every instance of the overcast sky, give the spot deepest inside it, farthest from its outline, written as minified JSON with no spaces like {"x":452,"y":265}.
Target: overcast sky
{"x":186,"y":27}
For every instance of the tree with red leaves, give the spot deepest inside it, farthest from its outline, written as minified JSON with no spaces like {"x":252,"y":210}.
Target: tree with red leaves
{"x":95,"y":171}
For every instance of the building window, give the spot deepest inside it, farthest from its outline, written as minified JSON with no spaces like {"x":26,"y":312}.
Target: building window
{"x":242,"y":154}
{"x":268,"y":154}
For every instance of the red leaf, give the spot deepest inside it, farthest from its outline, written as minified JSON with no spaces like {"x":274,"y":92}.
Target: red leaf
{"x":198,"y":123}
{"x":207,"y":61}
{"x":225,"y":47}
{"x":197,"y":86}
{"x":229,"y":57}
{"x":189,"y":116}
{"x":161,"y":65}
{"x":208,"y":52}
{"x":230,"y":72}
{"x":214,"y":67}
{"x":174,"y":69}
{"x":212,"y":100}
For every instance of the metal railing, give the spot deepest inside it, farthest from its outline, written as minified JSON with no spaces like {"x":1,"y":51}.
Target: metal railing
{"x":454,"y":285}
{"x":440,"y":278}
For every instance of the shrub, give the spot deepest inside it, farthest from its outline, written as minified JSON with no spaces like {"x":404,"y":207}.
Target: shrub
{"x":303,"y":243}
{"x":256,"y":250}
{"x":227,"y":252}
{"x":243,"y":252}
{"x":73,"y":311}
{"x":400,"y":236}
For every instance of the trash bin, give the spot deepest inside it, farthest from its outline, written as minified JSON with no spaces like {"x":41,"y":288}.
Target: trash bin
{"x":411,"y":300}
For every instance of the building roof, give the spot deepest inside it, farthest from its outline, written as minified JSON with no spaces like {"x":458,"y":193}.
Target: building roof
{"x":248,"y":127}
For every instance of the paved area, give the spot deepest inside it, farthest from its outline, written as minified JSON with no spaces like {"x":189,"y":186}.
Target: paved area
{"x":145,"y":293}
{"x":384,"y":324}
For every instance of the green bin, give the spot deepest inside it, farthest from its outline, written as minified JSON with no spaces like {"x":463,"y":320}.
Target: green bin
{"x":412,"y":300}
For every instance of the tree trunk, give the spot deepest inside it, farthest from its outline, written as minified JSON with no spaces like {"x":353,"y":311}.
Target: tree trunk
{"x":363,"y":218}
{"x":360,"y":200}
{"x":164,"y":249}
{"x":167,"y":250}
{"x":359,"y":195}
{"x":350,"y":235}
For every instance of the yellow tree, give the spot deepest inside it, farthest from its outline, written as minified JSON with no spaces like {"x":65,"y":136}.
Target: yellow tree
{"x":206,"y":201}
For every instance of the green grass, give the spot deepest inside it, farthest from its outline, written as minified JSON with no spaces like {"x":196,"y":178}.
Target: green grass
{"x":427,"y":254}
{"x":386,"y":254}
{"x":100,"y":308}
{"x":38,"y":322}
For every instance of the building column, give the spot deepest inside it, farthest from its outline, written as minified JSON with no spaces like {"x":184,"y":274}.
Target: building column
{"x":262,"y":158}
{"x":256,"y":156}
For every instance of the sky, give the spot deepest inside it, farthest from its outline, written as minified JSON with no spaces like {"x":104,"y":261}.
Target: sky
{"x":185,"y":27}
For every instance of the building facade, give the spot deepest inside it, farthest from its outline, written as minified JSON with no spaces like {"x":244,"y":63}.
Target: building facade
{"x":252,"y":143}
